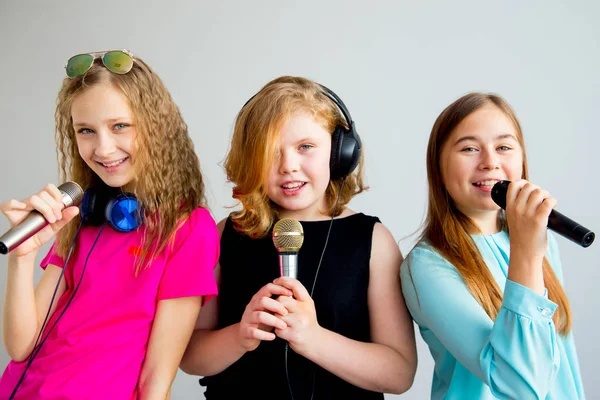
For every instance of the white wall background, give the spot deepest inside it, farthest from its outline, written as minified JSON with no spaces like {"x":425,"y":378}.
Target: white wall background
{"x":396,"y":64}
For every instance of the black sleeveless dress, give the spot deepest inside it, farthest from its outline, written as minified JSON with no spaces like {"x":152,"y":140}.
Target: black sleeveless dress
{"x":340,"y":298}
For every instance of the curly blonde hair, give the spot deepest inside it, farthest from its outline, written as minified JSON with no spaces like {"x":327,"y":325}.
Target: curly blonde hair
{"x":255,"y":144}
{"x":168,"y":182}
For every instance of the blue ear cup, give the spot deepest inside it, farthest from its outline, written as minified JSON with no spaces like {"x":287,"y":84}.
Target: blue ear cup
{"x":124,"y":213}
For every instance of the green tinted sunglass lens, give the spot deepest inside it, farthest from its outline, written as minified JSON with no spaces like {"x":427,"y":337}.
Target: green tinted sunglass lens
{"x":118,"y":62}
{"x":78,"y":65}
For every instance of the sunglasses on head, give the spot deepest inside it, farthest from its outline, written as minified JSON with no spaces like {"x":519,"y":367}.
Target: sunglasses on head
{"x":117,"y":61}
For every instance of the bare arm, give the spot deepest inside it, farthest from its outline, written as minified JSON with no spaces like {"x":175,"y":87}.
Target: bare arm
{"x":171,"y":331}
{"x":211,"y":351}
{"x":25,"y":307}
{"x":388,"y":364}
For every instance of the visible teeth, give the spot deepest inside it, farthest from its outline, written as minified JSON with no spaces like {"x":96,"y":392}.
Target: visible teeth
{"x":293,"y":185}
{"x":112,"y":164}
{"x":486,"y":183}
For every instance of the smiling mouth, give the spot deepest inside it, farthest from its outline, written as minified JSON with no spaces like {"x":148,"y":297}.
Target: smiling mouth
{"x":294,"y":185}
{"x":487,"y":183}
{"x":113,"y":163}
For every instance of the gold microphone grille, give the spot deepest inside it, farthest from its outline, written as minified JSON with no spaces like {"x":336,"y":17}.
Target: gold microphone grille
{"x":288,"y":235}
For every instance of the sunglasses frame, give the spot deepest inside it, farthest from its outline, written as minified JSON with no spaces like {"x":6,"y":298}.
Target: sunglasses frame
{"x":100,"y":54}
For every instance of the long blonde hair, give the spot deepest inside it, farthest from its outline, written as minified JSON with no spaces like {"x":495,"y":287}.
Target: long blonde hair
{"x":255,"y":144}
{"x":168,"y":181}
{"x":447,"y":229}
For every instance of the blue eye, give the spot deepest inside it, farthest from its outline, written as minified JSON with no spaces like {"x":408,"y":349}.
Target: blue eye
{"x":504,"y":148}
{"x":120,"y":126}
{"x":469,"y":149}
{"x":306,"y":147}
{"x":85,"y":131}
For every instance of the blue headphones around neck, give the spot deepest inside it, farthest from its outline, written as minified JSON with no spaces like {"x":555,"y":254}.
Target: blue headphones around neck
{"x":102,"y":203}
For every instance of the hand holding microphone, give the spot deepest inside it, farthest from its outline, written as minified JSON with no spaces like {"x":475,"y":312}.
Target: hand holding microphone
{"x":530,"y":202}
{"x":302,"y":325}
{"x":39,"y":217}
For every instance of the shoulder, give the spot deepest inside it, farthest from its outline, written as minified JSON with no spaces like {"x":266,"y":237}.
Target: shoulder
{"x":382,"y":237}
{"x":359,"y":218}
{"x":424,"y":261}
{"x":385,"y":252}
{"x":221,"y":225}
{"x":199,"y":224}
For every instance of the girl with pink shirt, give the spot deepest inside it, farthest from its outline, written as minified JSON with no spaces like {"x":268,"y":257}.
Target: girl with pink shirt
{"x":137,"y":258}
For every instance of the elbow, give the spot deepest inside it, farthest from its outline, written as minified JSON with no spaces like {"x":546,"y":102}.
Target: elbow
{"x":402,"y":384}
{"x":17,"y":356}
{"x":405,"y":379}
{"x":17,"y":347}
{"x":187,"y":364}
{"x":191,"y":365}
{"x":17,"y":353}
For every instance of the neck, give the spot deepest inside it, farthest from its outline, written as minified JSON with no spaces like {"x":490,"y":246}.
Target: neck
{"x":488,"y":222}
{"x":303,"y":215}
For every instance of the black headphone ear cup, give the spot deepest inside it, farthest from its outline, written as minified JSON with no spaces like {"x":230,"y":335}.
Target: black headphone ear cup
{"x":345,"y":152}
{"x":84,"y":208}
{"x":337,"y":139}
{"x":90,"y":208}
{"x":350,"y":152}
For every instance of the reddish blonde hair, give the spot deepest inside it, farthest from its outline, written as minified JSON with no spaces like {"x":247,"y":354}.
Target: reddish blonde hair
{"x":255,"y":144}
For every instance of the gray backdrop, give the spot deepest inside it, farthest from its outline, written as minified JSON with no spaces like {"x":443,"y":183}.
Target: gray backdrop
{"x":396,"y":64}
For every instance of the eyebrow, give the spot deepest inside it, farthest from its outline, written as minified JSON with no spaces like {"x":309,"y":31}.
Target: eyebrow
{"x":474,"y":139}
{"x":109,"y":121}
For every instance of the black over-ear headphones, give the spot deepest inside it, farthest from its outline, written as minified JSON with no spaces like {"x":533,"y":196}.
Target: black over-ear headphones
{"x":346,"y":147}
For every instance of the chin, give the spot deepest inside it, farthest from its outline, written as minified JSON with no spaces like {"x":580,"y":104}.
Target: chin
{"x":292,"y":206}
{"x":116,"y":182}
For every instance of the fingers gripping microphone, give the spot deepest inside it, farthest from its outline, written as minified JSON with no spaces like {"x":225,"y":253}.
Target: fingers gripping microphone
{"x":288,"y":237}
{"x":556,"y":221}
{"x":72,"y":194}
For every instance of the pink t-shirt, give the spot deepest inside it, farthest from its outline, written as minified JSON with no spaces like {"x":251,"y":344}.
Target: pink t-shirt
{"x":97,"y":349}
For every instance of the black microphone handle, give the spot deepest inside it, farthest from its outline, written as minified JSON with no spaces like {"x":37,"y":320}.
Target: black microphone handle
{"x":558,"y":222}
{"x":570,"y":229}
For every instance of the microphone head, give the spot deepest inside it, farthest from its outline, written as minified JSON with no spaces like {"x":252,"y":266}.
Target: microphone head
{"x":288,"y":235}
{"x":72,"y":193}
{"x":499,"y":193}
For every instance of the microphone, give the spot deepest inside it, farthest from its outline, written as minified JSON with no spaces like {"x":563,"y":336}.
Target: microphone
{"x":288,"y":237}
{"x":72,"y":194}
{"x":558,"y":222}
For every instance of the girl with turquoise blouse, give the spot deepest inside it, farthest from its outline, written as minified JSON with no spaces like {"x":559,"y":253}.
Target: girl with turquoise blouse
{"x":489,"y":304}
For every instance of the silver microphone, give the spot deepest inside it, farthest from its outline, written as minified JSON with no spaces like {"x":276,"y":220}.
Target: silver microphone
{"x":288,"y":237}
{"x":72,"y":194}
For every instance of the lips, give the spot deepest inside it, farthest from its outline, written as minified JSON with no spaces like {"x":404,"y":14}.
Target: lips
{"x":293,"y":185}
{"x":111,"y":164}
{"x":486,"y":183}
